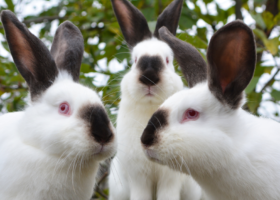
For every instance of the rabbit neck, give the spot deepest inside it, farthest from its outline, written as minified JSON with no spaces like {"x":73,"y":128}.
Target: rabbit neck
{"x":131,"y":121}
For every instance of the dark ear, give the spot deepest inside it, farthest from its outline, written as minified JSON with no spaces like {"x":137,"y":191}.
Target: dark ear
{"x":68,"y":48}
{"x":132,"y":22}
{"x":170,"y":17}
{"x":191,"y":62}
{"x":30,"y":55}
{"x":231,"y":58}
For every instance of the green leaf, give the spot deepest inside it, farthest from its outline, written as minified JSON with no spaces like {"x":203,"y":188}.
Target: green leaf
{"x":85,"y":68}
{"x":272,"y":45}
{"x":262,"y":69}
{"x":186,"y":22}
{"x":152,"y":25}
{"x":259,"y":20}
{"x":253,"y":101}
{"x":260,"y":34}
{"x":276,"y":95}
{"x":202,"y":33}
{"x":268,"y":19}
{"x":114,"y":28}
{"x":194,"y":40}
{"x":10,"y":5}
{"x":252,"y":85}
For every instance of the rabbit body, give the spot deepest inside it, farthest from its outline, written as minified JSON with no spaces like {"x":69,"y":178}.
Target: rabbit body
{"x":150,"y":81}
{"x":52,"y":149}
{"x":42,"y":156}
{"x":28,"y":172}
{"x":233,"y":155}
{"x":133,"y":176}
{"x":203,"y":131}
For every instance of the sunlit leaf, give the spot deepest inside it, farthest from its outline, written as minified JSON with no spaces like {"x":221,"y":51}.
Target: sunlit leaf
{"x":275,"y":94}
{"x":259,"y":20}
{"x":272,"y":45}
{"x":10,"y":5}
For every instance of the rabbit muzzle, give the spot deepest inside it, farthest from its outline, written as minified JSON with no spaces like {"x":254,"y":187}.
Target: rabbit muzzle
{"x":98,"y":123}
{"x":150,"y":68}
{"x":157,"y":122}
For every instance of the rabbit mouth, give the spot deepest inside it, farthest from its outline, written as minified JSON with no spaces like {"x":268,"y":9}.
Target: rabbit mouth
{"x":99,"y":150}
{"x":149,"y":91}
{"x":152,"y":155}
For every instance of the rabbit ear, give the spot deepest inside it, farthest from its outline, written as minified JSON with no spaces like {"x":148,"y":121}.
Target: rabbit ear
{"x":132,"y":22}
{"x":231,"y":58}
{"x":68,"y":48}
{"x":170,"y":17}
{"x":191,"y":62}
{"x":30,"y":55}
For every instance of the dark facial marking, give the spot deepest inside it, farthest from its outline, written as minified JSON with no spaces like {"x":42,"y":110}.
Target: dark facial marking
{"x":98,"y":123}
{"x":158,"y":121}
{"x":150,"y":68}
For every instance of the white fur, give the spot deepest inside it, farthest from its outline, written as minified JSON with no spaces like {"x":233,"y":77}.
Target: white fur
{"x":48,"y":156}
{"x":132,"y":175}
{"x":232,"y":154}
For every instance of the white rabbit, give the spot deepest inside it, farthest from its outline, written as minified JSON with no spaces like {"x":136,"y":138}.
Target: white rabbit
{"x":231,"y":153}
{"x":52,"y":149}
{"x":151,"y":80}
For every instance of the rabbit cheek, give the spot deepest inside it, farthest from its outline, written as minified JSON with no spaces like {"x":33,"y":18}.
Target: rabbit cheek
{"x":150,"y":68}
{"x":157,"y":122}
{"x":98,"y":123}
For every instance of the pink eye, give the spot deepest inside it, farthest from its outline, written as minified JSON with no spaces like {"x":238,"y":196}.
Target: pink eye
{"x":167,"y":60}
{"x":135,"y":59}
{"x":189,"y":115}
{"x":64,"y":108}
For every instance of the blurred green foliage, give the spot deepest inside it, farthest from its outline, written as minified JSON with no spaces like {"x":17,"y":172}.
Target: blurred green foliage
{"x":103,"y":39}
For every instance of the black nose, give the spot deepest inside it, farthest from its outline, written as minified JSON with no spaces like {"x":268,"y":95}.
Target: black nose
{"x":98,"y":122}
{"x":150,"y":68}
{"x":157,"y":121}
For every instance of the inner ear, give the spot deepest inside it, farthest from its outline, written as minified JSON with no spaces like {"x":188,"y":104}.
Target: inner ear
{"x":22,"y":53}
{"x":32,"y":58}
{"x":231,"y":58}
{"x":68,"y":48}
{"x":124,"y":16}
{"x":132,"y":22}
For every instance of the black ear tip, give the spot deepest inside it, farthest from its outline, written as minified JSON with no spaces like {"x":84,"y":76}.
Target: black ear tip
{"x":7,"y":14}
{"x":68,"y":25}
{"x":70,"y":28}
{"x":238,"y":24}
{"x":179,"y":2}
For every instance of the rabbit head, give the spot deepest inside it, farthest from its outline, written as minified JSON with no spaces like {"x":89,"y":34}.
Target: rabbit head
{"x":63,"y":116}
{"x":152,"y":77}
{"x":195,"y":126}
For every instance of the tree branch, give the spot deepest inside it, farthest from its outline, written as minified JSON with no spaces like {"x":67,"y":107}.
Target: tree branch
{"x":272,"y":7}
{"x":28,"y":22}
{"x":272,"y":78}
{"x":238,"y":5}
{"x":97,"y":189}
